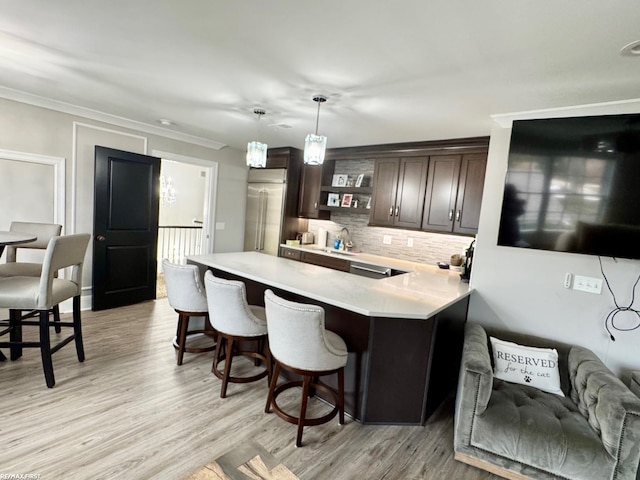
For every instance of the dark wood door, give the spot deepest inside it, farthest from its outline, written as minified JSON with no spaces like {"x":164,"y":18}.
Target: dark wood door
{"x":470,"y":188}
{"x":310,"y":193}
{"x":412,"y":182}
{"x":125,"y":230}
{"x":442,"y":187}
{"x":385,"y":184}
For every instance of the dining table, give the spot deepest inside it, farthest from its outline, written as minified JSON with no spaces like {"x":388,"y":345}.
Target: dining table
{"x":13,"y":238}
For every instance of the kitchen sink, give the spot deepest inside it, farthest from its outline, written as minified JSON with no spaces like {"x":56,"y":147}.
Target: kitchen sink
{"x":374,"y":271}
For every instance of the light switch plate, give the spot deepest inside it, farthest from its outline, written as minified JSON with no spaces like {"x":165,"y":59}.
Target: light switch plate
{"x":386,"y":239}
{"x":587,"y":284}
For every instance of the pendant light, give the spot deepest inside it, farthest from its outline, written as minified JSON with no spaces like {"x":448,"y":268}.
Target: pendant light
{"x":315,"y":145}
{"x":256,"y":151}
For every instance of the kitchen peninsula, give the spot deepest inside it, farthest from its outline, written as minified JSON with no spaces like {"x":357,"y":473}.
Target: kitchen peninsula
{"x":404,"y":333}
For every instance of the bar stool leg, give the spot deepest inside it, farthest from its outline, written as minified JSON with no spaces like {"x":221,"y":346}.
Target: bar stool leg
{"x":341,"y":396}
{"x":272,"y":385}
{"x":227,"y":367}
{"x":15,"y":334}
{"x":183,"y":324}
{"x":56,"y":318}
{"x":77,"y":329}
{"x":303,"y":408}
{"x":45,"y":349}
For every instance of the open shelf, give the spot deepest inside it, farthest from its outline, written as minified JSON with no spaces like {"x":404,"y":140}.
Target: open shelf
{"x":354,"y":190}
{"x":344,"y":209}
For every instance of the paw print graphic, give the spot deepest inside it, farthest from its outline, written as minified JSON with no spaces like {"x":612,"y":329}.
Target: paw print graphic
{"x":527,"y":378}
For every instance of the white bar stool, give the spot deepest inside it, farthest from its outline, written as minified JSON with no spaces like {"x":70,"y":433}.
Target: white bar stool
{"x":300,"y":344}
{"x":235,"y":321}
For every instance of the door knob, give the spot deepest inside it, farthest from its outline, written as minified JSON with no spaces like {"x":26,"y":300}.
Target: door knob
{"x":100,"y":238}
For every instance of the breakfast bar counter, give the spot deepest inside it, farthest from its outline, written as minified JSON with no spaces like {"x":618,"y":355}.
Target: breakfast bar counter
{"x":404,"y":333}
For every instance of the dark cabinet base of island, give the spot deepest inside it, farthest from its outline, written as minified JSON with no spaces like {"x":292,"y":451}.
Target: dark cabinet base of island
{"x":399,"y":370}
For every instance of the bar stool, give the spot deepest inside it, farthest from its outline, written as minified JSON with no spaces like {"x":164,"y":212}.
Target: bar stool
{"x":186,"y":296}
{"x":13,"y":268}
{"x":235,"y":321}
{"x":42,"y":294}
{"x":300,"y":344}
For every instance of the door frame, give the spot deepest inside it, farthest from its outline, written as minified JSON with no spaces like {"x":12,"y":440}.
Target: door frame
{"x":209,"y":216}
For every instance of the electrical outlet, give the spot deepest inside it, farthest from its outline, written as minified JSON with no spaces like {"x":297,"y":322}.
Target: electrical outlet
{"x":587,"y":284}
{"x":386,"y":239}
{"x":409,"y":242}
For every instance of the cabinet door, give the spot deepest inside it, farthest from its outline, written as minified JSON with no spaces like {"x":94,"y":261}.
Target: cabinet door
{"x":385,"y":183}
{"x":310,"y":193}
{"x":440,"y":199}
{"x":412,"y":182}
{"x":470,"y":188}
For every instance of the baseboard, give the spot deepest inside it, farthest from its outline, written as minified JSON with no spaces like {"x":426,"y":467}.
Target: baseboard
{"x":489,"y":467}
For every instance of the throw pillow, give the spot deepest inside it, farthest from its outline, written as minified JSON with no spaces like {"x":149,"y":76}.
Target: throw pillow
{"x":536,"y":367}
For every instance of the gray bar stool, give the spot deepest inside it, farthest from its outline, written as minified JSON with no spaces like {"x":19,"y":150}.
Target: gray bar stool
{"x":300,"y":344}
{"x":186,"y":296}
{"x":42,"y":293}
{"x":13,"y":268}
{"x":237,"y":323}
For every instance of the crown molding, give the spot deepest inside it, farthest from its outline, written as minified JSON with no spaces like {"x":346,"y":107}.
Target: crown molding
{"x":632,"y":105}
{"x":38,"y":101}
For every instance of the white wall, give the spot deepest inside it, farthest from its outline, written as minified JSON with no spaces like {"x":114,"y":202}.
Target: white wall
{"x":522,"y":290}
{"x":42,"y":131}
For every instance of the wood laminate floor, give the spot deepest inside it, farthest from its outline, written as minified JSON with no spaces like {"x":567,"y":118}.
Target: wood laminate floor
{"x":129,"y":412}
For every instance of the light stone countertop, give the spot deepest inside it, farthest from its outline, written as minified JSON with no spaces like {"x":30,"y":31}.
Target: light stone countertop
{"x":420,"y":294}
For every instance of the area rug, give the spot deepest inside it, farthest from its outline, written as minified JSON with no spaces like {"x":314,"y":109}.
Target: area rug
{"x":246,"y":462}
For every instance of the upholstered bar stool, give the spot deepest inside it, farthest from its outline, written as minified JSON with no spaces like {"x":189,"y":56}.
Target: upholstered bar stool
{"x":43,"y":232}
{"x":187,"y":297}
{"x":236,"y":323}
{"x":300,"y":344}
{"x":19,"y":293}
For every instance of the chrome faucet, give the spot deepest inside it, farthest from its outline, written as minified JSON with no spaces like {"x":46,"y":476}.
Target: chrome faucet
{"x":346,"y":239}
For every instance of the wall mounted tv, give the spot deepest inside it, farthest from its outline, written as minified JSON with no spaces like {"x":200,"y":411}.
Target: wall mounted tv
{"x":573,"y":185}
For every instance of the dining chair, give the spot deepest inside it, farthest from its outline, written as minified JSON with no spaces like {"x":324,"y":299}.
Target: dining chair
{"x":18,"y":293}
{"x":300,"y":344}
{"x":237,"y":324}
{"x":187,"y":297}
{"x":12,"y":267}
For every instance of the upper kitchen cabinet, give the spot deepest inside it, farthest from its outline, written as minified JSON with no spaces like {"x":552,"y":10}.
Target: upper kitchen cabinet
{"x":308,"y":206}
{"x":454,"y":193}
{"x":399,"y":188}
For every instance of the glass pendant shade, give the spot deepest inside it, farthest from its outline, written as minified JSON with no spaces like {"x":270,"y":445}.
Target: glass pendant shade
{"x":315,"y":145}
{"x":256,"y":155}
{"x":314,"y":149}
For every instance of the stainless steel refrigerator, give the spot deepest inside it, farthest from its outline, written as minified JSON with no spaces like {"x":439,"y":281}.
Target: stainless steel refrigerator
{"x":265,"y":207}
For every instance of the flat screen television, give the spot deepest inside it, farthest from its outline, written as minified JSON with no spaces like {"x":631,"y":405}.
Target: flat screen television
{"x":573,"y":185}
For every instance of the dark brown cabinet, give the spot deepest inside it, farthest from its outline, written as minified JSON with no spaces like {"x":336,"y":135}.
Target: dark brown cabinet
{"x":470,"y":189}
{"x":399,"y":185}
{"x":454,"y":193}
{"x":309,"y":204}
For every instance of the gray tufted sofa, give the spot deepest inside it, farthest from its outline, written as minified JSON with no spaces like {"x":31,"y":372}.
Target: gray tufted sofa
{"x":519,"y":432}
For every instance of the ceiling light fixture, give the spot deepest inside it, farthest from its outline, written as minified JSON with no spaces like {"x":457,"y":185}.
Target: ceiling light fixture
{"x":315,"y":145}
{"x":631,"y":50}
{"x":256,"y":151}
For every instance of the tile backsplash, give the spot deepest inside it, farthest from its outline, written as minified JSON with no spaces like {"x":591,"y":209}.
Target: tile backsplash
{"x":427,"y":247}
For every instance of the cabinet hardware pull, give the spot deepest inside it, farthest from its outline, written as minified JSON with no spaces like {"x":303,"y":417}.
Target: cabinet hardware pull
{"x":458,"y":216}
{"x":450,"y":215}
{"x":397,"y":211}
{"x":315,"y":205}
{"x":391,"y":211}
{"x":100,"y":238}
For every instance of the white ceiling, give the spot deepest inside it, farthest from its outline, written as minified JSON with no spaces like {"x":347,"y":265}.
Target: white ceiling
{"x":393,"y":71}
